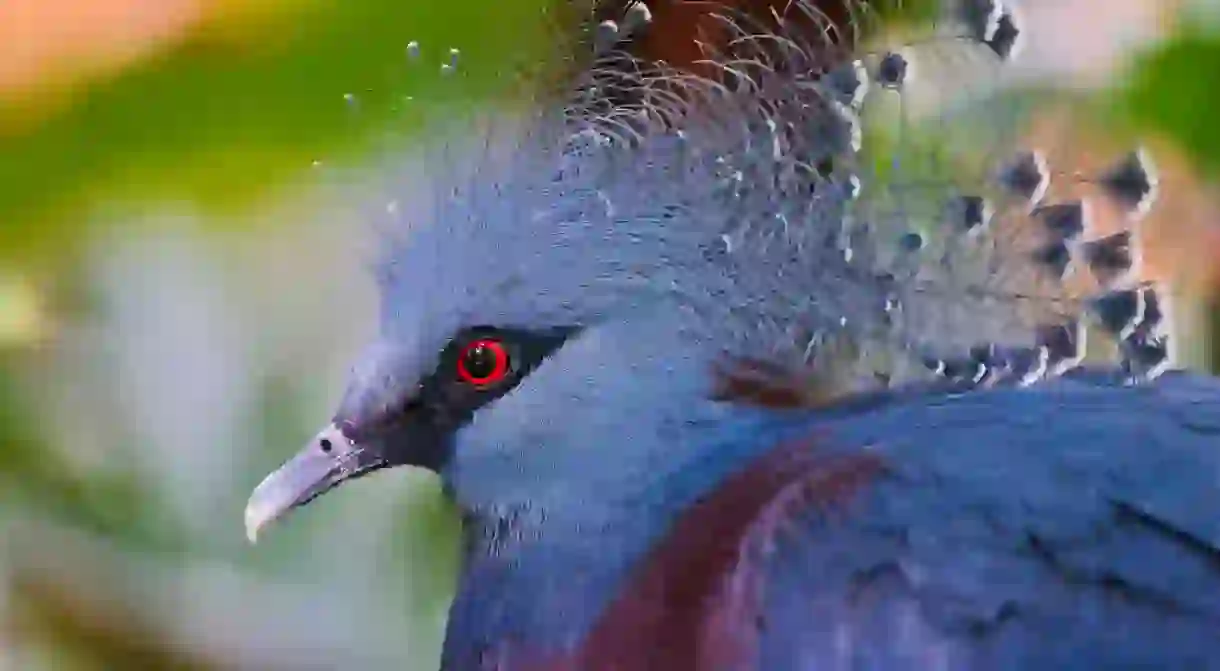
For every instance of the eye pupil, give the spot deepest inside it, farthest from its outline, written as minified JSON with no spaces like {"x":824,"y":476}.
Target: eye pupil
{"x":483,"y":362}
{"x":480,"y":361}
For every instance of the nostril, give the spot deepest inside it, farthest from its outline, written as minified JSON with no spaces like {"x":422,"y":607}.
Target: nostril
{"x":325,"y":445}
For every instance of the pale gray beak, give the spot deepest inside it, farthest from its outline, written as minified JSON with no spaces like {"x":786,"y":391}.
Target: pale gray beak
{"x":328,"y":460}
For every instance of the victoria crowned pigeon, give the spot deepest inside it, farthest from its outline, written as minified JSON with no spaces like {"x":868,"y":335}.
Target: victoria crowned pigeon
{"x":716,"y":388}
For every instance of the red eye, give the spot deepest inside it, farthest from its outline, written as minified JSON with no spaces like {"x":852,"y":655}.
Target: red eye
{"x":483,"y":362}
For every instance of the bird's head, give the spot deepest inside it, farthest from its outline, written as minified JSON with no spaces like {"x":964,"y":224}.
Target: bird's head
{"x":552,"y":306}
{"x":538,"y":333}
{"x":555,"y":306}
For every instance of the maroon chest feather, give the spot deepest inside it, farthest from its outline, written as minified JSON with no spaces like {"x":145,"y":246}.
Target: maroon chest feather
{"x":694,"y":603}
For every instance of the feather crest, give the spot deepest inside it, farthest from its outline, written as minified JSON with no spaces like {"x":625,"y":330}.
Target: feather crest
{"x":737,"y":191}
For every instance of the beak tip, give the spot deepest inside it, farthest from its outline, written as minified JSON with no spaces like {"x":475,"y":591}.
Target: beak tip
{"x":254,"y":524}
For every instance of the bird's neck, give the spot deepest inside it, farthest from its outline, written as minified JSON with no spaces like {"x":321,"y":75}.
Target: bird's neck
{"x":544,"y":573}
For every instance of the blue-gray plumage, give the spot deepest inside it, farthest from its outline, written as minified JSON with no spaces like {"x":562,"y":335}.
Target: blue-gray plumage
{"x":713,"y":393}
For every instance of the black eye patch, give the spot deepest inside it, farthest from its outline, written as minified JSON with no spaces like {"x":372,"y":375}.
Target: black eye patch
{"x":482,"y":364}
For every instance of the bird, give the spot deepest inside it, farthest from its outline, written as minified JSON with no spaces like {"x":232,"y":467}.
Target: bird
{"x":713,"y":388}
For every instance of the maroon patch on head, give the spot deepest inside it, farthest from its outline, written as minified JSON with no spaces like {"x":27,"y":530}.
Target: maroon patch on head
{"x":694,"y":602}
{"x":769,"y":385}
{"x":683,"y":33}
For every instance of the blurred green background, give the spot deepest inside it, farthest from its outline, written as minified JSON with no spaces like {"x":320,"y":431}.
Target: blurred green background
{"x":183,"y":188}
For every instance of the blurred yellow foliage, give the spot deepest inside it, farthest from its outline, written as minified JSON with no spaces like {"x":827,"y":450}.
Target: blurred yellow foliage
{"x":22,"y":318}
{"x":49,"y":47}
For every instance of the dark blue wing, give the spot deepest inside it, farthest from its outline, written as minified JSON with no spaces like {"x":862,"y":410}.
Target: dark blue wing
{"x":1074,"y":525}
